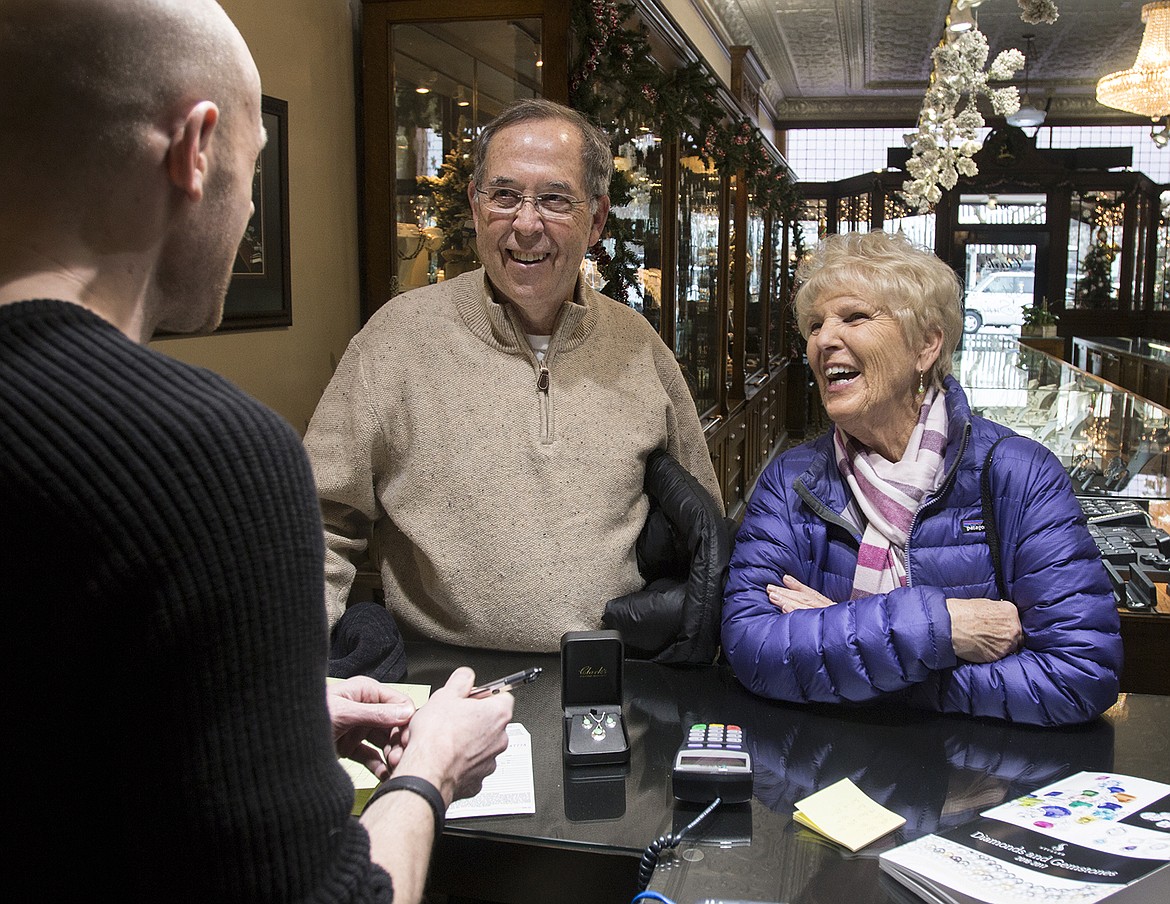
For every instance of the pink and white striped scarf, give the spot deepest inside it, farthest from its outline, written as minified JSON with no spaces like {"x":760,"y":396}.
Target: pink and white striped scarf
{"x":888,"y":494}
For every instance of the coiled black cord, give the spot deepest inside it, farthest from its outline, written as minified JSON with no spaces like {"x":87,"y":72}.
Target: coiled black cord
{"x":650,"y":855}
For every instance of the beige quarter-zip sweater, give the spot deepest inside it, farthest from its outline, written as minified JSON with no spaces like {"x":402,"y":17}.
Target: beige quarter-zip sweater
{"x":502,"y":495}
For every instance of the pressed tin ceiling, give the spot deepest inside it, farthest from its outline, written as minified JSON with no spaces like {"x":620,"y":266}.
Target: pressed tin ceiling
{"x":869,"y":60}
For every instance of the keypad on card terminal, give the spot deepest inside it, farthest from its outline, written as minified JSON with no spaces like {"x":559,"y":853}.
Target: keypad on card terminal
{"x":715,"y":734}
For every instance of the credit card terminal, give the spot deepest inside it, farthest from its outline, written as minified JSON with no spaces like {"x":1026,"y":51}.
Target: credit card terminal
{"x":713,"y":762}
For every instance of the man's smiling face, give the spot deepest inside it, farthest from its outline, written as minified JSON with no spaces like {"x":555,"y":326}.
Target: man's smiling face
{"x":532,"y":261}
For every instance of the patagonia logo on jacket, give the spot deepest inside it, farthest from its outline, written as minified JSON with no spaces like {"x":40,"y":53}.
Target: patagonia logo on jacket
{"x":973,"y":526}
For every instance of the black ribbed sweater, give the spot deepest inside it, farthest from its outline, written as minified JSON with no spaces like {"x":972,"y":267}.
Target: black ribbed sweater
{"x":165,"y":642}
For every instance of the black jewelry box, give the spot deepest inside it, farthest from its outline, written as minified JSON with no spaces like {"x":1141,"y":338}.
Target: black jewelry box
{"x":594,"y":793}
{"x":591,"y":696}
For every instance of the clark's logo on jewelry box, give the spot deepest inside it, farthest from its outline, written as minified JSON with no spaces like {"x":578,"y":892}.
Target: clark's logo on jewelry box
{"x":593,"y":671}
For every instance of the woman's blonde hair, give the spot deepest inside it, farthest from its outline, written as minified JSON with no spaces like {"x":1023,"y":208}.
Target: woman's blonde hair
{"x":922,"y":292}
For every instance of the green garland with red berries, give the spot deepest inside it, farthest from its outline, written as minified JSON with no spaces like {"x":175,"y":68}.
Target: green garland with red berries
{"x":616,"y":83}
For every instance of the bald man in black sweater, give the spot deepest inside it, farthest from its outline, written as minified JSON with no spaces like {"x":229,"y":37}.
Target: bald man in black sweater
{"x":170,"y":736}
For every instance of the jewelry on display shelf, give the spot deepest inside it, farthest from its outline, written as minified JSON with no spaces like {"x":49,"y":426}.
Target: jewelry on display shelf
{"x":1117,"y":469}
{"x":422,"y":241}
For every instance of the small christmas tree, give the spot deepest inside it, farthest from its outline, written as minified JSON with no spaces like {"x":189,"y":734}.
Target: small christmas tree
{"x":1095,"y":288}
{"x":449,"y":201}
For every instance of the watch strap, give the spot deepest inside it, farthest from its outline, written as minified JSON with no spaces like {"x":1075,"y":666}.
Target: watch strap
{"x":422,"y":788}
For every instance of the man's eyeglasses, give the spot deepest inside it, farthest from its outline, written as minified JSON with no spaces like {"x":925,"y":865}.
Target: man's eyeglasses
{"x":548,"y":204}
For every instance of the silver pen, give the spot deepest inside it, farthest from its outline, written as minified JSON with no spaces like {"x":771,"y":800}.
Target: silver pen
{"x":506,"y":683}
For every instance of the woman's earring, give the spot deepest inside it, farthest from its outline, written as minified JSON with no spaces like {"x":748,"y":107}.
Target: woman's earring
{"x":921,"y":382}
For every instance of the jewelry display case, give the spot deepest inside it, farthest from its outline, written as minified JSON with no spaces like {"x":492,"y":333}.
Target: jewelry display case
{"x":635,"y":223}
{"x":757,"y":250}
{"x":1114,"y":446}
{"x":1112,"y":442}
{"x":697,"y":344}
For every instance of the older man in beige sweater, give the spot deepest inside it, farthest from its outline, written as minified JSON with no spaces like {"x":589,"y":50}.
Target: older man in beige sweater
{"x":489,"y":434}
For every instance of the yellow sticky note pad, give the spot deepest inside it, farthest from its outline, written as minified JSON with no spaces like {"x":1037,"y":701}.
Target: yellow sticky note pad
{"x":418,"y":693}
{"x":844,"y":814}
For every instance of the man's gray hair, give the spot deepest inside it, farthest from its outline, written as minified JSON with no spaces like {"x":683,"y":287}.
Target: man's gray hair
{"x":597,"y":156}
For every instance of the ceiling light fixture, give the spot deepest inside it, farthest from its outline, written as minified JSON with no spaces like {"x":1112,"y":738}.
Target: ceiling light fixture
{"x":1026,"y":117}
{"x":1029,"y":114}
{"x":461,"y":98}
{"x":1160,"y":132}
{"x":1144,"y":88}
{"x":960,"y":18}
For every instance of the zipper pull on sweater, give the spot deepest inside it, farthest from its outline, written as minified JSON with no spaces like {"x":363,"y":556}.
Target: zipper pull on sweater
{"x":542,"y":379}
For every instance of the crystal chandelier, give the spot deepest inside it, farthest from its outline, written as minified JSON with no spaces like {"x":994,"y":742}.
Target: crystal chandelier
{"x":1145,"y":87}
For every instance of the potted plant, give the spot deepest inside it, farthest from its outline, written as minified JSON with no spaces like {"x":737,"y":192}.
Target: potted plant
{"x":1038,"y":320}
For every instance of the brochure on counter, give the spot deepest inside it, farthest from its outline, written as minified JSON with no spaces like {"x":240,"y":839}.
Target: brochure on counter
{"x":1093,"y":836}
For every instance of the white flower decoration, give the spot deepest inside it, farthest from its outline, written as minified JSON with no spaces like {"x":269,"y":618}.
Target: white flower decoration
{"x":947,"y":138}
{"x":1036,"y":11}
{"x":1006,"y":65}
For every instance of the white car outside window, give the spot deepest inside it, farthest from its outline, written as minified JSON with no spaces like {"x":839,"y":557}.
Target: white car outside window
{"x":998,"y":300}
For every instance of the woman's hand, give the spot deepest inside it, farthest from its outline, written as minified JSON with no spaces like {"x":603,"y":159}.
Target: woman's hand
{"x":795,"y":595}
{"x":984,"y":630}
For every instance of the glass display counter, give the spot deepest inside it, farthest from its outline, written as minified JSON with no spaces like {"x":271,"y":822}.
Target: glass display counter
{"x":1114,"y":445}
{"x":1111,"y":441}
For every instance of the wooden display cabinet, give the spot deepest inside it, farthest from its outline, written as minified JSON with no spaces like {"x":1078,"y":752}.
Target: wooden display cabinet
{"x":1138,"y":365}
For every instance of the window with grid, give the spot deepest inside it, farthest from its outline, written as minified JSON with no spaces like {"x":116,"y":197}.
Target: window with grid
{"x":827,"y":155}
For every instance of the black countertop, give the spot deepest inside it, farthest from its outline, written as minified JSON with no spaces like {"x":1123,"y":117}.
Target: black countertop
{"x":592,"y":823}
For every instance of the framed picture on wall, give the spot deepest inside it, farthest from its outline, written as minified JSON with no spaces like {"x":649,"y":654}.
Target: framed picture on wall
{"x":259,"y":295}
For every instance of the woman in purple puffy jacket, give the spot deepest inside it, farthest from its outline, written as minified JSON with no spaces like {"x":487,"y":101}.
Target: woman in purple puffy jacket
{"x":864,"y":570}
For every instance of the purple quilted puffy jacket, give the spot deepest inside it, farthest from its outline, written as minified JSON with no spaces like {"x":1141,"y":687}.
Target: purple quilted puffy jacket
{"x":898,"y":644}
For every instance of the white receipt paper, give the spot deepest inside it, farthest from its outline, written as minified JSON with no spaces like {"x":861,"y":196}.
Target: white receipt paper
{"x":507,"y":790}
